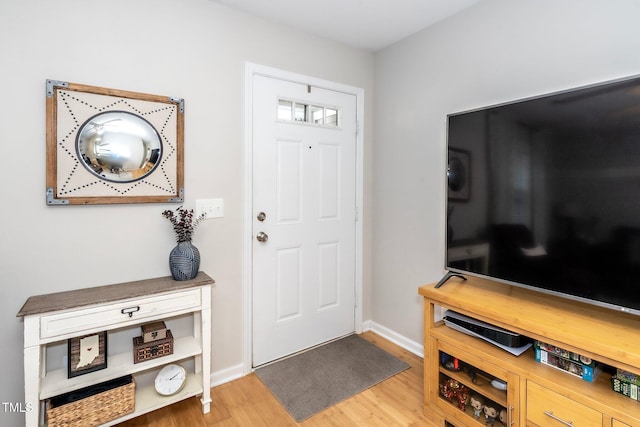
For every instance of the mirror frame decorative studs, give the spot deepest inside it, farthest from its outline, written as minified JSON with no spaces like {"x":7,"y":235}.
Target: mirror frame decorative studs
{"x":91,"y":129}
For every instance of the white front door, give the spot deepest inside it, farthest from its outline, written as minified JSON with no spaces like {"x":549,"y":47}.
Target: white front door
{"x":304,"y":216}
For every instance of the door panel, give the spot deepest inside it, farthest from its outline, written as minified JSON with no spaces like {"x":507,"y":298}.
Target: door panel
{"x":288,"y":283}
{"x":329,"y":192}
{"x":328,"y":274}
{"x":288,"y":185}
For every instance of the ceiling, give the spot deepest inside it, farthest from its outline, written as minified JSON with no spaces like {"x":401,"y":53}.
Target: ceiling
{"x":365,"y":24}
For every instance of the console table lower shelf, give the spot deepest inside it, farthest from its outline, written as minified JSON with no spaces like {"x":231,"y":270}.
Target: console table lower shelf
{"x":147,"y":399}
{"x":52,"y":319}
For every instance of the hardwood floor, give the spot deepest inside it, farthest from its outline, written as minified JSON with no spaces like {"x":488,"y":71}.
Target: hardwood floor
{"x":246,"y":402}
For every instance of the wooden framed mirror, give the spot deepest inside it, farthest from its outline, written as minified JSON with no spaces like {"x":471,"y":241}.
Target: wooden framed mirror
{"x":113,"y":146}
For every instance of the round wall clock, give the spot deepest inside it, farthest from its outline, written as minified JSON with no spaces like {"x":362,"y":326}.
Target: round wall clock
{"x":171,"y":379}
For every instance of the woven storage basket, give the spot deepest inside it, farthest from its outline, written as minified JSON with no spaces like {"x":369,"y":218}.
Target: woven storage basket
{"x":96,"y":409}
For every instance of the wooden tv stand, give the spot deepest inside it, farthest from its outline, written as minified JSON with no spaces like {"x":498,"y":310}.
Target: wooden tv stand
{"x":536,"y":394}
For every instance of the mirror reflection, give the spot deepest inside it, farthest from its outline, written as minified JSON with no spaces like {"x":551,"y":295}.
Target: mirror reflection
{"x":456,"y":174}
{"x":119,"y":146}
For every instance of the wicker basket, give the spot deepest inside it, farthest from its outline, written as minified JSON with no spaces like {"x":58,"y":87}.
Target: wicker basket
{"x":93,"y":410}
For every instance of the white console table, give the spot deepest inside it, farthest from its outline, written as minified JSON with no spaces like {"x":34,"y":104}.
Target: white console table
{"x":54,"y":318}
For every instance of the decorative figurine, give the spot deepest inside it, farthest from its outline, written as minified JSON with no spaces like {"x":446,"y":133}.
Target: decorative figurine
{"x":477,"y":403}
{"x":503,"y":416}
{"x":490,"y":414}
{"x":452,"y":388}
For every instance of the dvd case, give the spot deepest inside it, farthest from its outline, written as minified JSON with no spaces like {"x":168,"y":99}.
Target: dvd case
{"x":572,"y":363}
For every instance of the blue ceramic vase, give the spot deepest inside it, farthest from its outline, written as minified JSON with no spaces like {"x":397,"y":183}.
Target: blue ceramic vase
{"x":184,"y":261}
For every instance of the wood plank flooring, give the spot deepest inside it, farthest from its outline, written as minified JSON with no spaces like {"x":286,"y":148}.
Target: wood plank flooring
{"x":246,"y":402}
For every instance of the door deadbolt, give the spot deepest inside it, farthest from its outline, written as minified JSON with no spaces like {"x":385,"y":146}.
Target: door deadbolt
{"x":262,"y":237}
{"x":262,"y":216}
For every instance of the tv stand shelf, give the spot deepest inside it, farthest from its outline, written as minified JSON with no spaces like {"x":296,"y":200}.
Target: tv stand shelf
{"x":605,"y":335}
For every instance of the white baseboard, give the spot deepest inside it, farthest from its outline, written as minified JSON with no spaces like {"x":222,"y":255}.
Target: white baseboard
{"x":404,"y":342}
{"x":227,"y":375}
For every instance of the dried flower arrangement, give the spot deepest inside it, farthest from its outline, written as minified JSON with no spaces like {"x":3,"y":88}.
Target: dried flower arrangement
{"x":184,"y":222}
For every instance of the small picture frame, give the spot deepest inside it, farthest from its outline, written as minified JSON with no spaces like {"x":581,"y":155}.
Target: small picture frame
{"x":86,"y":354}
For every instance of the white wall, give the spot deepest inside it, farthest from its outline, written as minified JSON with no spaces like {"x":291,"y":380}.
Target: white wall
{"x":497,"y":51}
{"x":194,"y":49}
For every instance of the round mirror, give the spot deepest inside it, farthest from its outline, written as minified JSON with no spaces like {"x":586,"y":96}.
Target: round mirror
{"x":456,"y":174}
{"x":119,"y":146}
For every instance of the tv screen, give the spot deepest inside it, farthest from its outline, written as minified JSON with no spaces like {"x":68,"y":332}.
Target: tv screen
{"x":545,"y":193}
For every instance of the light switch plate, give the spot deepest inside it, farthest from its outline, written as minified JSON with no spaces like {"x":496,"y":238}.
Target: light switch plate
{"x":212,"y":208}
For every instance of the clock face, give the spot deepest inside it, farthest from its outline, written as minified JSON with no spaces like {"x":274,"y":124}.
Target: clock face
{"x":170,"y":379}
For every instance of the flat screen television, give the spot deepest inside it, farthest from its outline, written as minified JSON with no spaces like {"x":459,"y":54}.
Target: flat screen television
{"x":544,"y":193}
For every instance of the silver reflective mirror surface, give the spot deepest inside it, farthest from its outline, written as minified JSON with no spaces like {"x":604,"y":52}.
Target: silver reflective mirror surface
{"x":456,"y":174}
{"x":119,"y":146}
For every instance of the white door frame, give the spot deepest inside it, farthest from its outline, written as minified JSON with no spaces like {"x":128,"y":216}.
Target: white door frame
{"x":255,"y":69}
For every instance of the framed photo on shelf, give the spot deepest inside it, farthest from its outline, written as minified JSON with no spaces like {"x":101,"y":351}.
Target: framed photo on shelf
{"x":86,"y":354}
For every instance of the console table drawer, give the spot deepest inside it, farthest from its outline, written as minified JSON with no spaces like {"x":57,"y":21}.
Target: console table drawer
{"x":548,"y":408}
{"x":113,"y":315}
